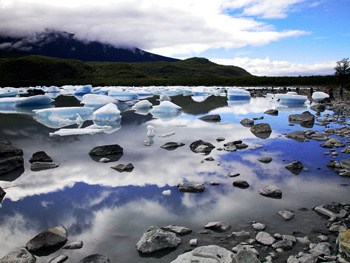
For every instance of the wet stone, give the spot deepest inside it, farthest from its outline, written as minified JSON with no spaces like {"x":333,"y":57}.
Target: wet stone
{"x":179,"y":230}
{"x":20,"y":255}
{"x":271,"y":191}
{"x":40,"y":156}
{"x":191,"y":187}
{"x":241,"y":184}
{"x":265,"y":159}
{"x":218,"y":226}
{"x":95,"y":258}
{"x":286,"y":215}
{"x":58,"y":259}
{"x":172,"y":145}
{"x":123,"y":167}
{"x":264,"y":238}
{"x":74,"y":245}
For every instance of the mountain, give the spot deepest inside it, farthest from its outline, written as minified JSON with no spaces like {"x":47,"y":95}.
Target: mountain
{"x":65,"y":45}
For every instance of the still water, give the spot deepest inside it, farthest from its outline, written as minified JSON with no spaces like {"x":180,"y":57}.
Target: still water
{"x":109,"y":210}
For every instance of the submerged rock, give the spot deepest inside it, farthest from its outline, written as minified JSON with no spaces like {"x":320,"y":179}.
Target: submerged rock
{"x":38,"y":166}
{"x":201,"y":147}
{"x":40,"y":157}
{"x":297,"y":136}
{"x":95,"y":258}
{"x":19,"y":255}
{"x":172,"y":145}
{"x":271,"y":191}
{"x":219,"y":226}
{"x":106,"y":150}
{"x":50,"y":238}
{"x":286,"y":215}
{"x":295,"y":167}
{"x":191,"y":187}
{"x":211,"y":118}
{"x":272,"y":112}
{"x":179,"y":230}
{"x":206,"y":254}
{"x":123,"y":167}
{"x":306,"y":119}
{"x":261,"y":130}
{"x":156,"y":240}
{"x":265,"y":159}
{"x":241,"y":184}
{"x":247,"y":122}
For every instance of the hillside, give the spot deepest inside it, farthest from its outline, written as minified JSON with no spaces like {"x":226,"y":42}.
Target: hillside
{"x":35,"y":70}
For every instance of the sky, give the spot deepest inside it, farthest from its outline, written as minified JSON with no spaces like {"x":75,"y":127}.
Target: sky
{"x":265,"y":37}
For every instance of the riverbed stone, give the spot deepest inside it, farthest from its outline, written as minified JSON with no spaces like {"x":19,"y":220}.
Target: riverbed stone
{"x":206,"y":254}
{"x":106,"y":150}
{"x":343,"y":241}
{"x":241,"y":184}
{"x":218,"y":226}
{"x":123,"y":167}
{"x":40,"y":156}
{"x":59,"y":259}
{"x":271,"y":191}
{"x":211,"y":118}
{"x":179,"y":230}
{"x":345,"y":163}
{"x":246,"y":256}
{"x":156,"y":240}
{"x":8,"y":150}
{"x":333,"y":142}
{"x":172,"y":145}
{"x":18,"y":255}
{"x":321,"y":249}
{"x":272,"y":112}
{"x":265,"y":159}
{"x":191,"y":187}
{"x":261,"y":130}
{"x":306,"y":119}
{"x":258,"y":226}
{"x":284,"y":244}
{"x":247,"y":122}
{"x":295,"y":167}
{"x":2,"y":194}
{"x":10,"y":164}
{"x":74,"y":245}
{"x":286,"y":215}
{"x":50,"y":238}
{"x":95,"y":258}
{"x":264,"y":238}
{"x":39,"y":166}
{"x":200,"y":146}
{"x":297,"y":136}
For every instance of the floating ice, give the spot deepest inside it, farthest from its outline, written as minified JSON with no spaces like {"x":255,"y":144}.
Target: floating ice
{"x":201,"y":91}
{"x":166,"y":192}
{"x":166,"y":106}
{"x":143,"y":104}
{"x":51,"y":89}
{"x":37,"y":100}
{"x":8,"y":102}
{"x":238,"y":94}
{"x":318,"y":96}
{"x":122,"y":95}
{"x":8,"y":93}
{"x":83,"y":90}
{"x":64,"y":116}
{"x":291,"y":98}
{"x":199,"y":98}
{"x":150,"y":131}
{"x":90,"y":130}
{"x":164,"y":97}
{"x":108,"y":113}
{"x":96,"y":100}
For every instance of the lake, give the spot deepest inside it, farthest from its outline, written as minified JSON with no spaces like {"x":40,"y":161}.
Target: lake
{"x":109,"y":211}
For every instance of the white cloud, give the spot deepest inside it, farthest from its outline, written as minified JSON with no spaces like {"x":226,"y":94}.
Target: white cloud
{"x":172,"y":27}
{"x":266,"y":67}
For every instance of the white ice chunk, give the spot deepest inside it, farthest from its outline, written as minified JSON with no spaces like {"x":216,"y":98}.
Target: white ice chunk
{"x":143,"y":104}
{"x":164,"y":97}
{"x":8,"y":93}
{"x":52,"y":89}
{"x":317,"y":96}
{"x":166,"y":192}
{"x":123,"y":95}
{"x":291,"y":98}
{"x":166,"y":106}
{"x":96,"y":100}
{"x":37,"y":100}
{"x":90,"y":130}
{"x":238,"y":94}
{"x":150,"y":131}
{"x":107,"y":113}
{"x":83,"y":90}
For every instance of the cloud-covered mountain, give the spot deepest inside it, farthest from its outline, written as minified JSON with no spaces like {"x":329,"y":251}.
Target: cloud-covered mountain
{"x":65,"y":45}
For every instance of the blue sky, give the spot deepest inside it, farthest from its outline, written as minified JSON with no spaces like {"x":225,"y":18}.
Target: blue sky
{"x":266,"y":37}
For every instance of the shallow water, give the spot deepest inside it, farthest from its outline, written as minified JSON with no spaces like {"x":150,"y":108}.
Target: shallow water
{"x":109,"y":210}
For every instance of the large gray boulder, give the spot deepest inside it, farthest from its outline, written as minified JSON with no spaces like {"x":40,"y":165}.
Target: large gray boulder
{"x":271,"y":191}
{"x":261,"y":130}
{"x":264,"y":238}
{"x":95,"y":258}
{"x":200,"y":146}
{"x":10,"y":164}
{"x":49,"y":239}
{"x":191,"y":187}
{"x":206,"y":254}
{"x":156,"y":240}
{"x":306,"y":119}
{"x":19,"y":255}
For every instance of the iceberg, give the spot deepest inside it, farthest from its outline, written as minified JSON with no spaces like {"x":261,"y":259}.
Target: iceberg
{"x":108,"y":113}
{"x":238,"y":94}
{"x":143,"y":104}
{"x":51,"y":89}
{"x":166,"y":106}
{"x":199,"y":98}
{"x":291,"y":98}
{"x":64,"y":116}
{"x":37,"y":100}
{"x":318,"y":96}
{"x":83,"y":90}
{"x":96,"y":100}
{"x":122,"y":95}
{"x":8,"y":93}
{"x":8,"y":102}
{"x":201,"y":91}
{"x":164,"y":97}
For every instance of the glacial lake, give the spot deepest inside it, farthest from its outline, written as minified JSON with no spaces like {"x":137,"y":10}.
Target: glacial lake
{"x":109,"y":211}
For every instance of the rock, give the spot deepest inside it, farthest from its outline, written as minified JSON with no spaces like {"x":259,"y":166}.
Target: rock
{"x":318,"y":107}
{"x":10,"y":164}
{"x":58,"y":259}
{"x":345,"y":163}
{"x":241,"y":234}
{"x":106,"y":150}
{"x":104,"y":160}
{"x":211,"y":118}
{"x":95,"y":258}
{"x":290,"y":238}
{"x":346,"y":150}
{"x":209,"y":159}
{"x":191,"y":187}
{"x":284,"y":244}
{"x":258,"y":226}
{"x":2,"y":194}
{"x":241,"y":184}
{"x":303,"y":240}
{"x":40,"y":157}
{"x":156,"y":240}
{"x":343,"y":241}
{"x":232,"y":174}
{"x":333,"y":142}
{"x":295,"y":167}
{"x":193,"y":242}
{"x":74,"y":245}
{"x":19,"y":255}
{"x":123,"y":167}
{"x":218,"y":226}
{"x":265,"y":159}
{"x":271,"y":191}
{"x":172,"y":145}
{"x":220,"y":139}
{"x":272,"y":112}
{"x":230,"y":148}
{"x":305,"y":258}
{"x":306,"y":119}
{"x":262,"y":130}
{"x":264,"y":238}
{"x":206,"y":254}
{"x":297,"y":136}
{"x":50,"y":238}
{"x":247,"y":122}
{"x":321,"y":249}
{"x":250,"y":248}
{"x":7,"y":150}
{"x":324,"y":211}
{"x":39,"y":166}
{"x":179,"y":230}
{"x":235,"y":145}
{"x":201,"y":147}
{"x":246,"y":256}
{"x":286,"y":215}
